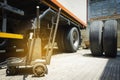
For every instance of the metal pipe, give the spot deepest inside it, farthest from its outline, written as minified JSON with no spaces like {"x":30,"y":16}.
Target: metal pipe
{"x":48,"y":57}
{"x":4,"y":25}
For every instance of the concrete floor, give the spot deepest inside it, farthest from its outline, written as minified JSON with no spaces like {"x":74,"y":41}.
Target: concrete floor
{"x":74,"y":66}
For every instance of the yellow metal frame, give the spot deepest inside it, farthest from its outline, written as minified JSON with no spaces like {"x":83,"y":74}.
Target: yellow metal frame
{"x":10,"y":35}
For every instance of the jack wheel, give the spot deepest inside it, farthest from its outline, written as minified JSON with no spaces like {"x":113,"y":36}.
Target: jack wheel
{"x":11,"y":71}
{"x":40,"y":69}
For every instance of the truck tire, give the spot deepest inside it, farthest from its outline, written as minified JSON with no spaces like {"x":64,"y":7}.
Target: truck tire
{"x":61,"y":39}
{"x":11,"y":70}
{"x":68,"y":39}
{"x":96,"y":38}
{"x":110,"y":38}
{"x":72,"y":39}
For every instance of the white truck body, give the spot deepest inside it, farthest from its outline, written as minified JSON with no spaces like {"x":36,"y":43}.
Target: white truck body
{"x":77,"y":7}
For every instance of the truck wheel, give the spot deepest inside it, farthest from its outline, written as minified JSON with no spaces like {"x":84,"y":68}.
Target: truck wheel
{"x":72,"y":39}
{"x":11,"y":71}
{"x":61,"y":39}
{"x":96,"y":38}
{"x":110,"y":38}
{"x":40,"y":69}
{"x":68,"y":39}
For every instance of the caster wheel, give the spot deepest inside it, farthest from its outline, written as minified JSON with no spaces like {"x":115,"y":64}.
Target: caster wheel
{"x":11,"y":71}
{"x":40,"y":69}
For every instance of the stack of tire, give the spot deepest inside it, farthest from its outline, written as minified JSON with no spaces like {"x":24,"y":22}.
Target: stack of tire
{"x":103,"y":38}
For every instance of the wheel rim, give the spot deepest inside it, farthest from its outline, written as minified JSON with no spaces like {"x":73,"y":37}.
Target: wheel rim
{"x":8,"y":71}
{"x":39,"y":70}
{"x":75,"y":38}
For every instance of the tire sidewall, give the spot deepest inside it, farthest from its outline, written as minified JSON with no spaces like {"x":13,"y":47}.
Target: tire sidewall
{"x":69,"y":41}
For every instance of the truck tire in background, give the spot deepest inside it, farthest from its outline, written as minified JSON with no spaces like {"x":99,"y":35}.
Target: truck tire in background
{"x":110,"y":38}
{"x":72,"y":39}
{"x":61,"y":39}
{"x":96,"y":38}
{"x":68,"y":39}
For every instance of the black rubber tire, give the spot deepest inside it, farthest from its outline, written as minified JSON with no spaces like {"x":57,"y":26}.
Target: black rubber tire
{"x":65,"y":39}
{"x":110,"y":38}
{"x":40,"y":69}
{"x":72,"y":39}
{"x":60,"y":39}
{"x":11,"y":71}
{"x":96,"y":38}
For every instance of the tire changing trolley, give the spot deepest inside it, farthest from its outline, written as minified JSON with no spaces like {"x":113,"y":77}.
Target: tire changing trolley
{"x":34,"y":57}
{"x":71,"y":21}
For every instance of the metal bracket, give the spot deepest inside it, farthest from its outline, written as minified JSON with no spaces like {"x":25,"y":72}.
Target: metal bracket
{"x":10,"y":8}
{"x":4,"y":7}
{"x":4,"y":24}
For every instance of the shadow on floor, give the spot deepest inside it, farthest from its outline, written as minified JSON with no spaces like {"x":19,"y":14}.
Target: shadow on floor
{"x":90,"y":55}
{"x":112,"y":69}
{"x":23,"y":71}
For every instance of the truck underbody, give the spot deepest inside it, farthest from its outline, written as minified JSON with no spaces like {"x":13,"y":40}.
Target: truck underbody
{"x":68,"y":35}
